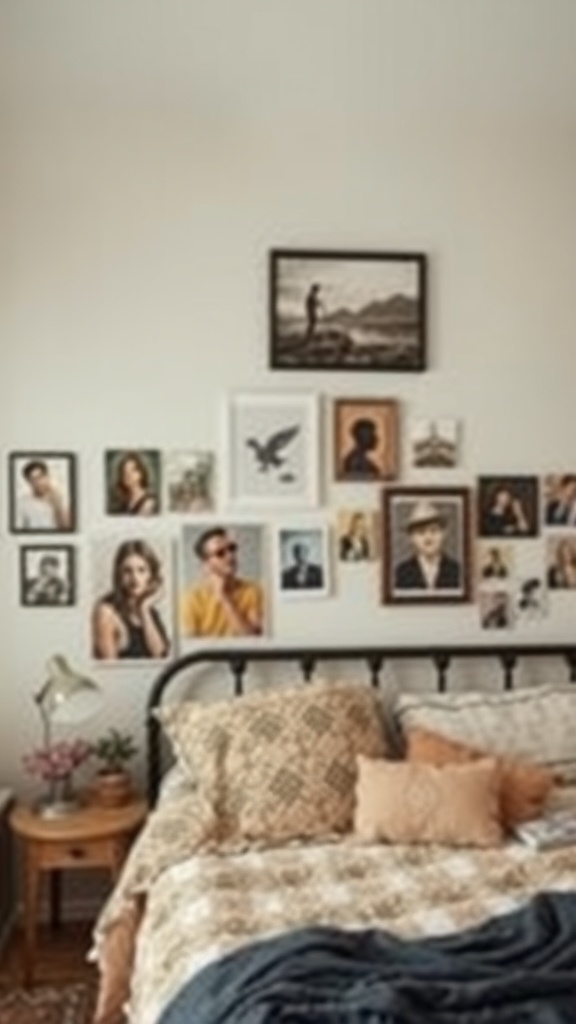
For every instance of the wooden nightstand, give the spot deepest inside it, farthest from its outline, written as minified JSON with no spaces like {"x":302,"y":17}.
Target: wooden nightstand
{"x":91,"y":837}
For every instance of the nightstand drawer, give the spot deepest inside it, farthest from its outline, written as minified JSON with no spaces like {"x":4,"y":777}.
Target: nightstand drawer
{"x":76,"y":854}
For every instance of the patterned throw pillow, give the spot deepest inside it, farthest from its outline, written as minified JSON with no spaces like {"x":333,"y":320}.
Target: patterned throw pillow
{"x":403,"y":802}
{"x":537,"y":724}
{"x":279,"y":764}
{"x":524,"y":787}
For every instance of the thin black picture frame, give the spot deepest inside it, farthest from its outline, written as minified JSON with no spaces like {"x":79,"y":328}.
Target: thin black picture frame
{"x":17,"y":460}
{"x":68,"y":551}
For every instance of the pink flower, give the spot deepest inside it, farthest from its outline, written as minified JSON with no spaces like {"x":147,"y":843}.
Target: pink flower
{"x":57,"y":761}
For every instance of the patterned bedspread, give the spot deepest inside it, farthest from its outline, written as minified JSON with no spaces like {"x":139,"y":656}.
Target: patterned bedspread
{"x":203,"y":905}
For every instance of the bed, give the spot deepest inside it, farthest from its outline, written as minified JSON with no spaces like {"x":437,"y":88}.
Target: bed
{"x":292,"y":917}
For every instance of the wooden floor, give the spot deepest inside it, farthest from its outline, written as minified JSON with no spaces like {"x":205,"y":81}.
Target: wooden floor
{"x":61,"y":956}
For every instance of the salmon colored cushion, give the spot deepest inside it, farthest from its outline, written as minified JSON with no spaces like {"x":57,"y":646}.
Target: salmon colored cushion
{"x":524,"y":787}
{"x":407,"y":802}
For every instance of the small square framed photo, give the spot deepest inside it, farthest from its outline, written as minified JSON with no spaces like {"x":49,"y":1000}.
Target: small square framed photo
{"x":189,"y":481}
{"x":347,"y":310}
{"x":426,"y":545}
{"x":365,"y":439}
{"x":42,"y":488}
{"x":434,"y":443}
{"x":356,"y":535}
{"x":272,"y":450}
{"x":495,"y":608}
{"x":47,"y":576}
{"x":508,"y":506}
{"x":133,"y":482}
{"x":302,"y":561}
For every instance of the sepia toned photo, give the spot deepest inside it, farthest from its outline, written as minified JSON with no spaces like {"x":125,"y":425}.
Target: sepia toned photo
{"x":47,"y":576}
{"x":302,"y":559}
{"x":508,"y":506}
{"x":222,"y":580}
{"x":131,"y":582}
{"x":426,"y":545}
{"x":42,"y":487}
{"x":132,"y":482}
{"x":189,"y":481}
{"x":495,"y":561}
{"x":559,"y":499}
{"x":365,"y":439}
{"x":434,"y":443}
{"x":495,"y":609}
{"x":561,"y":562}
{"x":347,"y":310}
{"x":531,"y":600}
{"x":356,"y":535}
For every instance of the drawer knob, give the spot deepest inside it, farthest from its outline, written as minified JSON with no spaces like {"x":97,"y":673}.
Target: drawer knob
{"x":77,"y":852}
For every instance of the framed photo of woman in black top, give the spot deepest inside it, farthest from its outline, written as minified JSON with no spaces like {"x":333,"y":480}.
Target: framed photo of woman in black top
{"x":131,"y":616}
{"x":508,"y":506}
{"x":132,"y":481}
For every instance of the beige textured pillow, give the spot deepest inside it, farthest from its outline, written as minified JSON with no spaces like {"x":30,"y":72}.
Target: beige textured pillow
{"x":279,"y":764}
{"x":404,"y":802}
{"x":536,"y":723}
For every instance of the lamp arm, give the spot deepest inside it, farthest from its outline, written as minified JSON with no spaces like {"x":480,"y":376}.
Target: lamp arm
{"x":46,"y":724}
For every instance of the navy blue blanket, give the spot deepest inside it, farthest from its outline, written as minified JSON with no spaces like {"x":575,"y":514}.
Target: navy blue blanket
{"x":519,"y":968}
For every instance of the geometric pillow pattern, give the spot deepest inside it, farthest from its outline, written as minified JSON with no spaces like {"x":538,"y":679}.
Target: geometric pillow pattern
{"x":281,"y":763}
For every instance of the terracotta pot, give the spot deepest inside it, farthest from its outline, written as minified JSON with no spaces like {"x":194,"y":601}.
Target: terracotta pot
{"x":112,"y":789}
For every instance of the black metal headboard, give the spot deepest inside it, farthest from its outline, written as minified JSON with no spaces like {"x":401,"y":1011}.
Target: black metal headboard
{"x":307,"y":658}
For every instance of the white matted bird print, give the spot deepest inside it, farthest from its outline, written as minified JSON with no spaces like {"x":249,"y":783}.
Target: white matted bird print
{"x":272,"y":449}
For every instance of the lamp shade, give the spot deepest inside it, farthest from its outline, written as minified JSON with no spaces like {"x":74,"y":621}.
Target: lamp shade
{"x":67,"y":696}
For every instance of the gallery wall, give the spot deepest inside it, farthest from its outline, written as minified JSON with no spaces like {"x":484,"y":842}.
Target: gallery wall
{"x":156,"y":153}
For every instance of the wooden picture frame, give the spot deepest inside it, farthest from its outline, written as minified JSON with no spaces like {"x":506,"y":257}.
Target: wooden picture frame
{"x":426,"y":545}
{"x":366,"y":441}
{"x":42,"y":492}
{"x":352,"y":311}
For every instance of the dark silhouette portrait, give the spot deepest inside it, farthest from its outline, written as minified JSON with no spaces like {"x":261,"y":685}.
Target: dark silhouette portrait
{"x":358,"y":462}
{"x":429,"y":567}
{"x":130,"y":491}
{"x":125,"y":621}
{"x":302,"y":573}
{"x":313,"y":307}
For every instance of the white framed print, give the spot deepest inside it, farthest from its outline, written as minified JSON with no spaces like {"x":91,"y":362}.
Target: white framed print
{"x":271,"y":452}
{"x":302,"y":560}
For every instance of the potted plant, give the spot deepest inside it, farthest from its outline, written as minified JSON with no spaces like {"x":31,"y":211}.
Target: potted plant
{"x":113,"y":784}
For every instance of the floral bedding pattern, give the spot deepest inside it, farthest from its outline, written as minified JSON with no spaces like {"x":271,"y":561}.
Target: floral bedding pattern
{"x":204,"y":900}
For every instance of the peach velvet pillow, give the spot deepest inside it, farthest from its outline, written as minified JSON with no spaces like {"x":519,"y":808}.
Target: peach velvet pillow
{"x":524,"y":787}
{"x":407,"y":802}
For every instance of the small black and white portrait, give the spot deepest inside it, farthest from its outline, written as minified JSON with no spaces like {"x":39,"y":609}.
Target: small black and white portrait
{"x":303,"y":561}
{"x":47,"y":576}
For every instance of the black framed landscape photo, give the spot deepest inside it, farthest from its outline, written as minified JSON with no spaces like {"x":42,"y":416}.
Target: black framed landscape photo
{"x":347,"y":310}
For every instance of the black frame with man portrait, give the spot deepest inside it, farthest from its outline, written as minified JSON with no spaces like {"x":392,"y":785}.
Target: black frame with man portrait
{"x":54,"y":592}
{"x":405,"y":510}
{"x":333,"y":310}
{"x":23,"y":465}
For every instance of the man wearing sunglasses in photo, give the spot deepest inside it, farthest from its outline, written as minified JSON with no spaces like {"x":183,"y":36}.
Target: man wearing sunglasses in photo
{"x":222,"y":603}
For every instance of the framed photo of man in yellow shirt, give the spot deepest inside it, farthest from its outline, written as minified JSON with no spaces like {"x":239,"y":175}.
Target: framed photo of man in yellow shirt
{"x":222,"y":581}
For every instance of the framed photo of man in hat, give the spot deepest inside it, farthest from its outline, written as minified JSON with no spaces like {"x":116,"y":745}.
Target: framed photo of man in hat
{"x":426,"y":545}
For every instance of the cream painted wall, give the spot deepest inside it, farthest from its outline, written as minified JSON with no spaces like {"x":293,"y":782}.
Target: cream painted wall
{"x":153,"y":153}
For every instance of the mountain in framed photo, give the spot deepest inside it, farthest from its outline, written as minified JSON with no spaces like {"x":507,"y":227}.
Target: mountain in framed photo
{"x":347,"y":310}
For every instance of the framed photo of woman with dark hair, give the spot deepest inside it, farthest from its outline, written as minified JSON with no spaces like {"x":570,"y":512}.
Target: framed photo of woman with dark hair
{"x":131,"y":616}
{"x":132,"y":482}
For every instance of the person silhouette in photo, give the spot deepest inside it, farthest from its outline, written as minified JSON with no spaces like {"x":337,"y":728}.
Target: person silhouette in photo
{"x":126,"y":622}
{"x":313,"y":306}
{"x":223,"y":603}
{"x":355,"y":542}
{"x":494,"y":567}
{"x":429,"y":567}
{"x":302,"y":574}
{"x":496,"y":612}
{"x":44,"y":508}
{"x":358,"y":462}
{"x":531,"y":597}
{"x":561,"y":509}
{"x":503,"y":514}
{"x":48,"y":587}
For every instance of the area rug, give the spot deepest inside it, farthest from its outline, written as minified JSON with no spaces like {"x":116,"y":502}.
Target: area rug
{"x":68,"y":1004}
